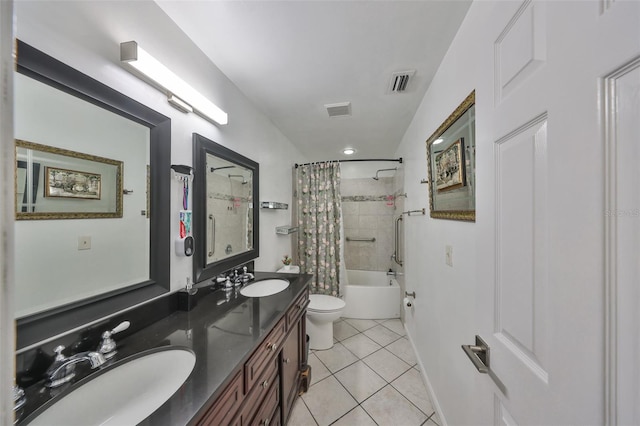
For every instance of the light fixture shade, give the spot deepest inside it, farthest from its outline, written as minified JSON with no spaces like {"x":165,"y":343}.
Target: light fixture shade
{"x":348,"y":151}
{"x":134,"y":55}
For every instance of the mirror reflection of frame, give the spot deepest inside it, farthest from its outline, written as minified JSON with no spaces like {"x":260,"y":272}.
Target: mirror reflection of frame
{"x":451,"y":162}
{"x":225,"y":217}
{"x":73,"y":199}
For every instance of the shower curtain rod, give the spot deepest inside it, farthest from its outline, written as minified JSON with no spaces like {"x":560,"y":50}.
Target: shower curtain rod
{"x":399,"y":160}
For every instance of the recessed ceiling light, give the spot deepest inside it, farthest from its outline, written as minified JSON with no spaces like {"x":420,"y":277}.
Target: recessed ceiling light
{"x":348,"y":151}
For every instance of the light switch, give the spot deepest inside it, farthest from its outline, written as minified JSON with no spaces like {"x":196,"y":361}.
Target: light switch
{"x":84,"y":243}
{"x":449,"y":255}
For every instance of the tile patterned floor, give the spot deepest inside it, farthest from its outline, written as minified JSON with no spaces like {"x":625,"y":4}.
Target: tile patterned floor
{"x":369,"y":377}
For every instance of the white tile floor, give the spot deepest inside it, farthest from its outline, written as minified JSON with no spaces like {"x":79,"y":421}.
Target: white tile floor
{"x":369,"y":377}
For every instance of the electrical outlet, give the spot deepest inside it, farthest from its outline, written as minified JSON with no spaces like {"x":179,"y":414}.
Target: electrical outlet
{"x":84,"y":243}
{"x":448,"y":255}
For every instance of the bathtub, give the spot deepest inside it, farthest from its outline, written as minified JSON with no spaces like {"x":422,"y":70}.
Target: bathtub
{"x":371,"y":295}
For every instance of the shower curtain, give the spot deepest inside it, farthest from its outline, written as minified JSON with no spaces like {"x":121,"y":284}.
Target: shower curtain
{"x":319,"y":216}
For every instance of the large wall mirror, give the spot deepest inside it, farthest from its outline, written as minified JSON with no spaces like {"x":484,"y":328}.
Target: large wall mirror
{"x":92,"y":172}
{"x":225,"y":217}
{"x":451,"y":159}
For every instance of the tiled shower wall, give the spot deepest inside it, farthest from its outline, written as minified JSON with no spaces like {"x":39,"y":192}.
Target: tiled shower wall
{"x":368,"y":209}
{"x":228,"y":200}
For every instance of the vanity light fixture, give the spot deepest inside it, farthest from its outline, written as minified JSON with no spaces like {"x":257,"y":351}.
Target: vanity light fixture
{"x":179,"y":93}
{"x":178,"y":103}
{"x":348,"y":151}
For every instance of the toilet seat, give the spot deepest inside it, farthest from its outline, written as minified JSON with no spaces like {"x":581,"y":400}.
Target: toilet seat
{"x":325,"y":303}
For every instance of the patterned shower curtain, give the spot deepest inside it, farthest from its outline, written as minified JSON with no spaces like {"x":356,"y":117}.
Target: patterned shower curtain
{"x":319,"y":211}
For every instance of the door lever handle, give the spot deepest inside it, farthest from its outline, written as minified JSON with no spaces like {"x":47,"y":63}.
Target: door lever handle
{"x":478,"y":354}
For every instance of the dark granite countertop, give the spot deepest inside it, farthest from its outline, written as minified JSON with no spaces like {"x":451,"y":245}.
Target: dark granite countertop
{"x":222,"y":331}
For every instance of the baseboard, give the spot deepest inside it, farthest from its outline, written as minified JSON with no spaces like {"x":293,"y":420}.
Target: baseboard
{"x":425,"y":378}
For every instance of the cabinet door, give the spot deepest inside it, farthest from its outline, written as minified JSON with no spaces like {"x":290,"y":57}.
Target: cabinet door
{"x":290,"y":369}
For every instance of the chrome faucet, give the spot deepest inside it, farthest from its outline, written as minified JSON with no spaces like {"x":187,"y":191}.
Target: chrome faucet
{"x":391,"y":273}
{"x":63,"y":369}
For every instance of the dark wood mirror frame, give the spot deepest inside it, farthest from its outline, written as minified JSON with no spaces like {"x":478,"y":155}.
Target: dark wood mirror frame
{"x":42,"y":67}
{"x":201,"y":147}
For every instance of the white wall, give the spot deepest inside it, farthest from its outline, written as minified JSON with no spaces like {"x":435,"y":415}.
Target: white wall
{"x":87,"y":36}
{"x":7,"y":329}
{"x":442,"y":315}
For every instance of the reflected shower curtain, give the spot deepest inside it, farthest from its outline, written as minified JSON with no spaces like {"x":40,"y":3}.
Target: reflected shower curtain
{"x":319,"y":215}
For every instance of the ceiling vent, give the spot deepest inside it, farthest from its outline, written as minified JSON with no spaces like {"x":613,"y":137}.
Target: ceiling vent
{"x":339,"y":110}
{"x":400,"y":80}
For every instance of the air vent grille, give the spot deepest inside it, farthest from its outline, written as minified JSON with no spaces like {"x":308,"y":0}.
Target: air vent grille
{"x":400,"y":80}
{"x":339,"y":110}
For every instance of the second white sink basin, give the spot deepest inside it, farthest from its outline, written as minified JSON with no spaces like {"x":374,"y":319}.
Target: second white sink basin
{"x":125,"y":394}
{"x":264,"y":288}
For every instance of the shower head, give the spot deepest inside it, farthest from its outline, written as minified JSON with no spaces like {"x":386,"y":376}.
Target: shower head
{"x":213,"y":169}
{"x":376,"y":177}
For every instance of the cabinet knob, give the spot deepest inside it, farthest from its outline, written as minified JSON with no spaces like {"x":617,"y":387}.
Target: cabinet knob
{"x":287,"y":360}
{"x":266,"y":422}
{"x":272,"y":346}
{"x":265,"y":384}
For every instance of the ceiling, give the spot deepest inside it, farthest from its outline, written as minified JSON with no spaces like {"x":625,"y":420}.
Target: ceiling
{"x":290,"y":58}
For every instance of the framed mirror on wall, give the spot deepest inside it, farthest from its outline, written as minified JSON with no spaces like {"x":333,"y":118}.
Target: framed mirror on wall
{"x":225,"y":217}
{"x":79,"y":145}
{"x":451,"y":152}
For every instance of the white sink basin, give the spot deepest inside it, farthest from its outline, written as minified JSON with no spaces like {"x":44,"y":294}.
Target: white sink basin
{"x":264,"y":288}
{"x":125,"y":394}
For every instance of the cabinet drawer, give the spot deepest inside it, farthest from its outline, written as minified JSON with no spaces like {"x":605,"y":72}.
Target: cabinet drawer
{"x":259,"y":392}
{"x":266,"y":352}
{"x":297,"y":308}
{"x":226,"y":405}
{"x":268,"y":411}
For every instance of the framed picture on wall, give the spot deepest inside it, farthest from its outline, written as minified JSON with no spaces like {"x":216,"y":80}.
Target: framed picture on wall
{"x":72,"y":184}
{"x":449,"y":166}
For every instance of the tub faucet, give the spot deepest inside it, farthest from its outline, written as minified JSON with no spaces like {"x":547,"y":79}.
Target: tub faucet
{"x":63,"y":369}
{"x":391,"y":273}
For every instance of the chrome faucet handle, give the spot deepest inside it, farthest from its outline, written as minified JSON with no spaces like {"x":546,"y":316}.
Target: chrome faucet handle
{"x":246,"y":276}
{"x":19,"y":398}
{"x":58,"y":351}
{"x":108,"y":346}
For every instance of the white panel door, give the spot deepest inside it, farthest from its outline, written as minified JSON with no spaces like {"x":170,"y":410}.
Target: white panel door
{"x":622,"y":95}
{"x":541,"y":216}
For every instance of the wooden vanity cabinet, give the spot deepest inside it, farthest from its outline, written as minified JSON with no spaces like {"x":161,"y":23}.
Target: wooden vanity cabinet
{"x":264,"y":388}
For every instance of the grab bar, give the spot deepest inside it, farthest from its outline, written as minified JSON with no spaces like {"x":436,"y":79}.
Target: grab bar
{"x":422,"y":211}
{"x":396,"y":254}
{"x":370,"y":240}
{"x":212,"y":246}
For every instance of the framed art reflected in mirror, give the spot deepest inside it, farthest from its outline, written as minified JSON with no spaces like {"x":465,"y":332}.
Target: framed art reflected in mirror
{"x":451,"y":153}
{"x":71,"y":185}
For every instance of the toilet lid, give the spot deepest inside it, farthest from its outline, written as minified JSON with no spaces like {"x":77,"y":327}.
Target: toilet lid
{"x":323,"y":302}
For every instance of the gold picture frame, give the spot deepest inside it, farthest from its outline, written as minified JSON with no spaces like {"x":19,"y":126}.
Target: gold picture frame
{"x":451,"y":165}
{"x":32,"y":204}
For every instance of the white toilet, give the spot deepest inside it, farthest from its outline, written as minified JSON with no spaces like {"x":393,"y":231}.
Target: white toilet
{"x":322,"y":311}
